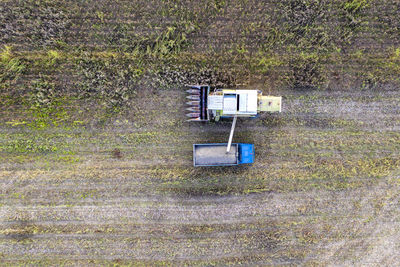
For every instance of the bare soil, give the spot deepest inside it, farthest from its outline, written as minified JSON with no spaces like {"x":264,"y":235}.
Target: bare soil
{"x":323,"y":190}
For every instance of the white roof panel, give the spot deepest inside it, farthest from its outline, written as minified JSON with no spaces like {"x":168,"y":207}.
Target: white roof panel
{"x":215,"y":102}
{"x":248,"y":101}
{"x":252,"y":101}
{"x":242,"y":102}
{"x":230,"y":104}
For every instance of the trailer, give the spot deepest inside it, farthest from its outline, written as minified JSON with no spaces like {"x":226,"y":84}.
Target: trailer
{"x":216,"y":155}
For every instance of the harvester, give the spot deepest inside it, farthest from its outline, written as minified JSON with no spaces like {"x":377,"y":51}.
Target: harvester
{"x":212,"y":105}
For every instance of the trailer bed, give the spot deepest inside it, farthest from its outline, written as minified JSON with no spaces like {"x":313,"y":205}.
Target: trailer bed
{"x":214,"y":155}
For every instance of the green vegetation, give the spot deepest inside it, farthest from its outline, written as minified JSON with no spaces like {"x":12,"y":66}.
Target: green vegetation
{"x":292,"y":44}
{"x":10,"y":69}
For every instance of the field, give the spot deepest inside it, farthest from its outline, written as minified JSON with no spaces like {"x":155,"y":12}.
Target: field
{"x":96,"y":156}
